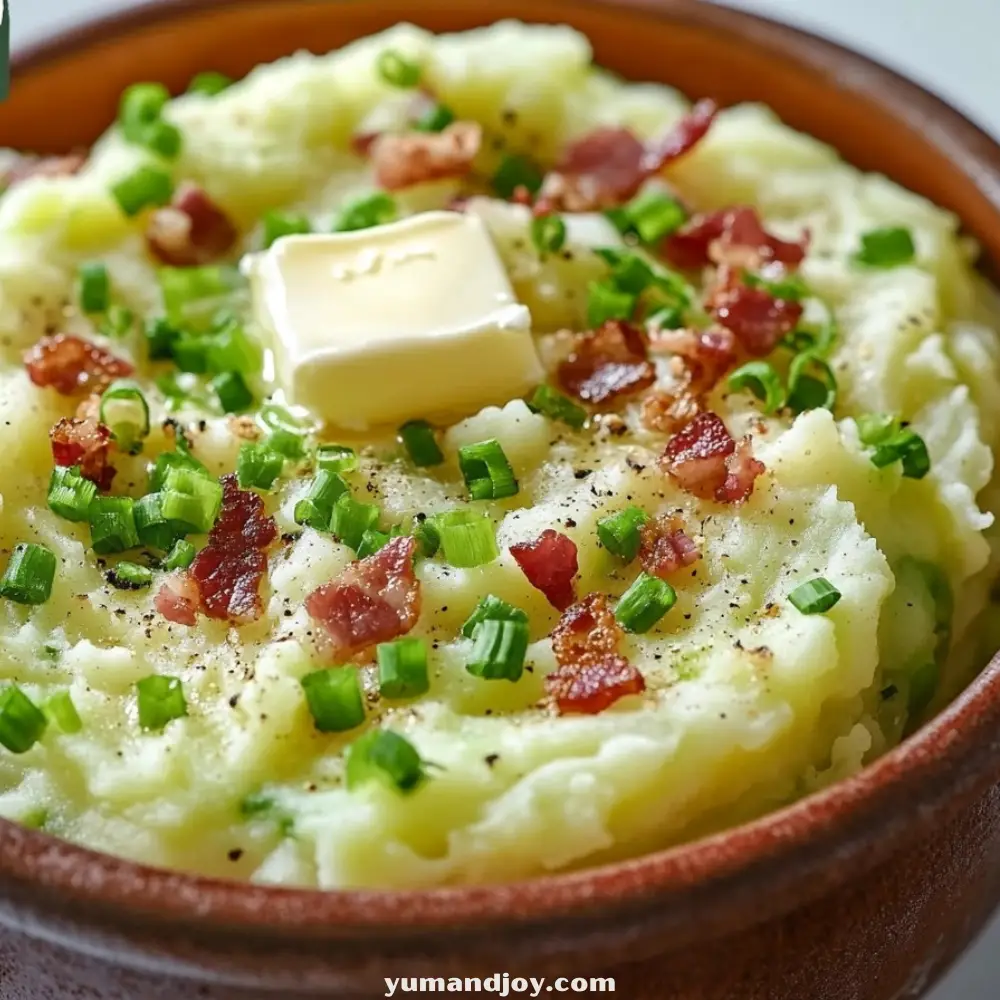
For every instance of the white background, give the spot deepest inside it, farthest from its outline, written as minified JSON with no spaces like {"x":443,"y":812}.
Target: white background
{"x":948,"y":45}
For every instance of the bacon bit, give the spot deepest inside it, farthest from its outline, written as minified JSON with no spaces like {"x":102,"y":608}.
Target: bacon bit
{"x":178,"y":599}
{"x":754,"y":315}
{"x":374,"y":600}
{"x":70,"y":364}
{"x":391,"y":116}
{"x":706,"y":354}
{"x":191,"y":231}
{"x":608,"y":362}
{"x":592,"y":686}
{"x":550,"y":564}
{"x":586,"y":629}
{"x":705,"y":461}
{"x":731,"y":236}
{"x":25,"y":167}
{"x":682,"y":138}
{"x":402,"y":160}
{"x":85,"y":442}
{"x":667,"y":413}
{"x":664,"y":547}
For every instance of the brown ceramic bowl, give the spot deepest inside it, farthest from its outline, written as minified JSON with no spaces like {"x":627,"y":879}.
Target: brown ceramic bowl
{"x":865,"y":892}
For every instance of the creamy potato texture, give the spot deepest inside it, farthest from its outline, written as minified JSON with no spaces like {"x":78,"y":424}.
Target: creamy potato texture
{"x":749,"y":703}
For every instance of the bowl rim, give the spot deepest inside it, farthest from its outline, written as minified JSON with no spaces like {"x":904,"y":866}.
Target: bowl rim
{"x":956,"y":755}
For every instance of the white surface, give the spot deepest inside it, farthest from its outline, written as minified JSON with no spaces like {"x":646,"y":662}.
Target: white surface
{"x":948,"y":45}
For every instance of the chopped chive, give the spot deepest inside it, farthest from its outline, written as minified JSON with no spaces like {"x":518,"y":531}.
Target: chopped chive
{"x":498,"y":649}
{"x":814,"y":596}
{"x":371,"y":541}
{"x":374,"y":210}
{"x":160,"y":699}
{"x":160,"y":137}
{"x":487,"y":471}
{"x":315,"y":509}
{"x":516,"y":171}
{"x":762,"y":380}
{"x":258,"y":465}
{"x":209,"y":83}
{"x":889,"y":247}
{"x":233,"y":393}
{"x":277,"y":224}
{"x":118,"y":322}
{"x":168,"y":461}
{"x":791,"y":287}
{"x":287,"y":443}
{"x":653,"y":215}
{"x":397,"y":70}
{"x":336,"y":458}
{"x":492,"y":608}
{"x":467,"y":539}
{"x":141,"y":104}
{"x":95,"y":287}
{"x":421,"y":444}
{"x":556,"y":406}
{"x":402,"y":668}
{"x":145,"y":187}
{"x":644,"y":603}
{"x":22,"y":722}
{"x":112,"y":525}
{"x":351,"y":519}
{"x":125,"y":412}
{"x":191,"y":499}
{"x":894,"y":443}
{"x":129,"y":576}
{"x":231,"y":349}
{"x":192,"y":295}
{"x":428,"y":537}
{"x":810,"y":391}
{"x":334,"y":699}
{"x":29,"y":574}
{"x":151,"y":524}
{"x":180,"y":556}
{"x":190,"y":353}
{"x":619,"y":533}
{"x":548,"y":233}
{"x":385,"y":756}
{"x":606,"y":302}
{"x":435,"y":119}
{"x":666,"y":318}
{"x":70,"y":495}
{"x":629,"y":272}
{"x":160,"y":335}
{"x":61,"y":710}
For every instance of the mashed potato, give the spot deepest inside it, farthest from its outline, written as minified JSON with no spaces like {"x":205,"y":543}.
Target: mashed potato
{"x":748,"y":702}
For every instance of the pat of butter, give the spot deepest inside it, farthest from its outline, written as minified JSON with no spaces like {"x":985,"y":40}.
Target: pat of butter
{"x":413,"y":319}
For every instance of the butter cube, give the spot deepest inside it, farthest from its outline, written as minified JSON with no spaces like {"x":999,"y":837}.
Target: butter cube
{"x":413,"y":319}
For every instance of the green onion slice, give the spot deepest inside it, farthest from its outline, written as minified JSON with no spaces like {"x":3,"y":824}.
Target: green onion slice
{"x":95,"y":287}
{"x":889,"y":247}
{"x":814,"y":596}
{"x":516,"y":171}
{"x":435,"y":119}
{"x":160,"y":700}
{"x":548,"y":233}
{"x":233,"y":393}
{"x":644,"y":603}
{"x":70,"y":495}
{"x":384,"y":756}
{"x":397,"y":70}
{"x":811,"y":384}
{"x":492,"y":608}
{"x":790,"y":287}
{"x":279,"y":224}
{"x":209,"y":83}
{"x":619,"y":533}
{"x":112,"y":525}
{"x":191,"y":499}
{"x":605,"y":302}
{"x":144,"y":188}
{"x":315,"y":509}
{"x":125,"y":411}
{"x":258,"y":465}
{"x":651,"y":216}
{"x":351,"y":519}
{"x":336,"y":458}
{"x":22,"y":722}
{"x":374,"y":210}
{"x":61,"y":710}
{"x":556,"y":406}
{"x":498,"y":649}
{"x":151,"y":524}
{"x":421,"y":444}
{"x":486,"y":470}
{"x":180,"y":556}
{"x":130,"y":576}
{"x":29,"y":574}
{"x":894,"y":443}
{"x":402,"y":668}
{"x":371,"y":541}
{"x":334,"y":699}
{"x":762,"y":380}
{"x":468,"y":539}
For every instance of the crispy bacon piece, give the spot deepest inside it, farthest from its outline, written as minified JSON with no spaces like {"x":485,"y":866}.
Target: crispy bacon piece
{"x":593,"y":685}
{"x":667,"y":412}
{"x":70,"y":365}
{"x":374,"y":600}
{"x":178,"y":599}
{"x":85,"y":442}
{"x":586,"y":629}
{"x":664,"y":547}
{"x":404,"y":159}
{"x":704,"y":355}
{"x":705,"y":461}
{"x":191,"y":231}
{"x":391,"y":116}
{"x":550,"y":564}
{"x":756,"y":318}
{"x":731,"y":236}
{"x":682,"y":138}
{"x":608,"y":362}
{"x":24,"y":167}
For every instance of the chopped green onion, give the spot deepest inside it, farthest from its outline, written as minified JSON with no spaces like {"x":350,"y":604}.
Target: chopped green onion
{"x":29,"y":574}
{"x":548,"y":233}
{"x":374,"y":210}
{"x":385,"y":756}
{"x":514,"y":172}
{"x":629,"y":272}
{"x":95,"y":287}
{"x":809,"y":392}
{"x":160,"y":699}
{"x":231,"y":349}
{"x":351,"y":519}
{"x":191,"y":499}
{"x":278,"y":224}
{"x":336,"y":458}
{"x":791,"y":287}
{"x":145,"y":187}
{"x":334,"y":699}
{"x":371,"y":541}
{"x":666,"y":318}
{"x":180,"y":556}
{"x":498,"y":649}
{"x":130,"y":576}
{"x":61,"y":710}
{"x":876,"y":428}
{"x":190,"y":353}
{"x":814,"y":596}
{"x":420,"y":443}
{"x":487,"y":471}
{"x":435,"y":119}
{"x":193,"y":294}
{"x":160,"y":137}
{"x":762,"y":380}
{"x":397,"y":70}
{"x":556,"y":406}
{"x":22,"y":722}
{"x":160,"y":335}
{"x":112,"y":525}
{"x":402,"y":668}
{"x":70,"y":495}
{"x":125,"y":411}
{"x":889,"y":247}
{"x":619,"y":533}
{"x":428,"y":537}
{"x":894,"y":443}
{"x":468,"y":539}
{"x":651,"y":216}
{"x":151,"y":524}
{"x":606,"y":302}
{"x":209,"y":83}
{"x":141,"y":104}
{"x":644,"y":603}
{"x":233,"y":393}
{"x":492,"y":608}
{"x":315,"y":509}
{"x":258,"y":465}
{"x":169,"y":460}
{"x":118,"y":322}
{"x":286,"y":443}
